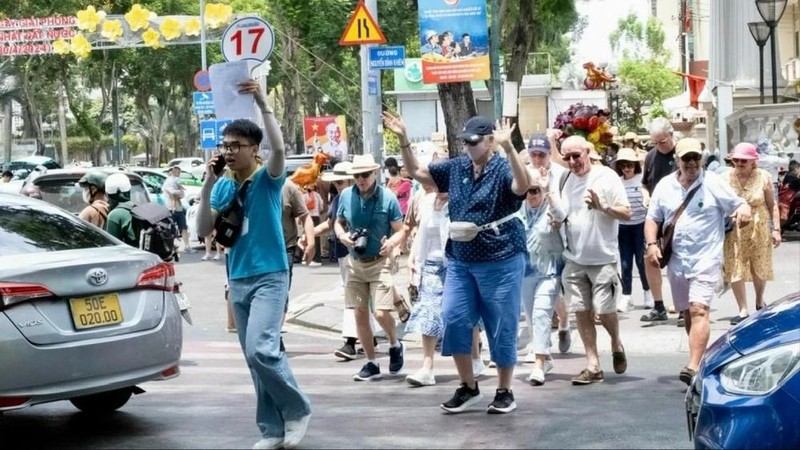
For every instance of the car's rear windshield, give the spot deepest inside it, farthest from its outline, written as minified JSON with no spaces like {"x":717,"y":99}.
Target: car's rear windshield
{"x":26,"y":229}
{"x":65,"y":192}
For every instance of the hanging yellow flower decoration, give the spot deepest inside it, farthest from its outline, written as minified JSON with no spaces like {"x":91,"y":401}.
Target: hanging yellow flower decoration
{"x":89,"y":18}
{"x":60,"y":47}
{"x":192,"y":27}
{"x":80,"y":46}
{"x":112,"y":30}
{"x":138,"y":18}
{"x":170,"y":29}
{"x":151,"y":38}
{"x":217,"y":14}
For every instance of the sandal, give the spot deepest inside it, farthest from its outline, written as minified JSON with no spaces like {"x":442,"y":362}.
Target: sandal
{"x":620,"y":361}
{"x":687,"y":375}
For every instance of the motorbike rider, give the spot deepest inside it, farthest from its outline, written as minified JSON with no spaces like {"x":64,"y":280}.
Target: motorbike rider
{"x":93,"y":186}
{"x":120,"y":221}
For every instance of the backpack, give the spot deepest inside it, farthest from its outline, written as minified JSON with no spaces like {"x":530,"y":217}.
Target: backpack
{"x":155,"y":229}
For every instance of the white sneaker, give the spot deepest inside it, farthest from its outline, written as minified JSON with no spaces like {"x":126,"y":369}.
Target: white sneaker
{"x":548,"y":365}
{"x":423,"y":377}
{"x":530,"y":357}
{"x":294,"y":431}
{"x":492,"y":364}
{"x":206,"y":257}
{"x":268,"y":443}
{"x":477,"y":367}
{"x":314,"y":264}
{"x":649,"y":303}
{"x":623,"y":301}
{"x":536,"y":377}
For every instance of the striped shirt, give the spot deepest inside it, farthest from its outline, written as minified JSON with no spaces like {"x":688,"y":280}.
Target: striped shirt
{"x":633,"y":188}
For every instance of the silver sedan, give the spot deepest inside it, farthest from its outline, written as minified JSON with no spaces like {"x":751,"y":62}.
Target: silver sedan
{"x":83,"y":317}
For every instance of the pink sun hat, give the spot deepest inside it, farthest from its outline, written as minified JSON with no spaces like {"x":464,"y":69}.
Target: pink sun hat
{"x":744,"y":150}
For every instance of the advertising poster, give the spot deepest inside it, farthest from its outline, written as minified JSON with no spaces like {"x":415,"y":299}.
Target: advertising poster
{"x":326,"y":134}
{"x":454,"y":41}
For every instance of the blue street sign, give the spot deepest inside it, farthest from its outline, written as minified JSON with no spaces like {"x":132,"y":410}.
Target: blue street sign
{"x":203,"y":103}
{"x":208,"y":134}
{"x":372,"y":84}
{"x":385,"y":58}
{"x":220,"y":128}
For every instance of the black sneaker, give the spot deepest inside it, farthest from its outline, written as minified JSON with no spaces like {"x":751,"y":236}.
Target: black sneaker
{"x":503,"y":402}
{"x":462,"y":399}
{"x":681,"y":320}
{"x":654,"y":316}
{"x":396,"y":359}
{"x":348,"y":352}
{"x":370,"y":372}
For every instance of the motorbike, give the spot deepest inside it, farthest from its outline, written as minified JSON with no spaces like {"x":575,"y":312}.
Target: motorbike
{"x":183,"y":302}
{"x":789,"y":201}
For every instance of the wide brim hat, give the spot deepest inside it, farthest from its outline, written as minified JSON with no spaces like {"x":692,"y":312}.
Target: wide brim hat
{"x":339,"y":172}
{"x":628,"y":154}
{"x":595,"y":156}
{"x":631,"y":136}
{"x":363,"y":163}
{"x":745,"y":150}
{"x":688,"y":145}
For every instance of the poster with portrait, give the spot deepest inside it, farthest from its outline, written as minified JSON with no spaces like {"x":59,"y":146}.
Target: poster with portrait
{"x":454,"y":41}
{"x":326,"y":134}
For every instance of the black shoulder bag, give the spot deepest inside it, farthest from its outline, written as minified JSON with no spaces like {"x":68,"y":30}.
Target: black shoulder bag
{"x":229,"y":222}
{"x":666,"y":232}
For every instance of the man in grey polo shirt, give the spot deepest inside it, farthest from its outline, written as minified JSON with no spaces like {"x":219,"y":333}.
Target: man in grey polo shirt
{"x":369,"y":223}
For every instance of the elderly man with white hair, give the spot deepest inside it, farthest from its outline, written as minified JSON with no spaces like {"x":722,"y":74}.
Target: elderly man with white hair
{"x":594,"y":199}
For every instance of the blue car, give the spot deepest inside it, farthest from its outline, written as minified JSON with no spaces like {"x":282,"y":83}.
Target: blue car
{"x":746,"y":393}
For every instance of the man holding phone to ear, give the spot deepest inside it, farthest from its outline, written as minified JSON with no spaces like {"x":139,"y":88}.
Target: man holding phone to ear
{"x":258,"y":275}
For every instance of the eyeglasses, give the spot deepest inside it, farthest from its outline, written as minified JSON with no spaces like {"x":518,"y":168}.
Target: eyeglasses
{"x":232,"y":147}
{"x":625,"y":165}
{"x":534,"y":191}
{"x":339,"y":182}
{"x":364,"y":175}
{"x":690,"y":157}
{"x":472,"y":142}
{"x":739,"y":161}
{"x":573,"y":156}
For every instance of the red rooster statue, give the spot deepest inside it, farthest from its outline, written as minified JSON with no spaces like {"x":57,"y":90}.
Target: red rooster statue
{"x":307,"y":174}
{"x":596,"y":78}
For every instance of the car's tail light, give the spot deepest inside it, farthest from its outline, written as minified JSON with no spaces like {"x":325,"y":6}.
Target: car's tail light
{"x":172,"y":372}
{"x":160,"y":277}
{"x":13,"y":293}
{"x":11,"y":402}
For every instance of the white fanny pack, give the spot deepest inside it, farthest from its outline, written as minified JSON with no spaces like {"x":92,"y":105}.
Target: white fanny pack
{"x":467,"y":231}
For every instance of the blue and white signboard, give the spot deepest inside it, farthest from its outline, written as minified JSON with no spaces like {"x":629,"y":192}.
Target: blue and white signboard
{"x":203,"y":103}
{"x":372,"y":84}
{"x":208,"y":134}
{"x":385,"y":58}
{"x":220,"y":128}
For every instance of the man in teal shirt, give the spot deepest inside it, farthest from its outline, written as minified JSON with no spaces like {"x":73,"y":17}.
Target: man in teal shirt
{"x":258,"y":270}
{"x":374,"y":227}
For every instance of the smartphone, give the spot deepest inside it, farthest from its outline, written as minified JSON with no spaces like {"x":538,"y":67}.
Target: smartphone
{"x":219,"y":165}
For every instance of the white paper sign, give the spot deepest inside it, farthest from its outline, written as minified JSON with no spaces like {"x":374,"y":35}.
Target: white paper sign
{"x":228,"y":102}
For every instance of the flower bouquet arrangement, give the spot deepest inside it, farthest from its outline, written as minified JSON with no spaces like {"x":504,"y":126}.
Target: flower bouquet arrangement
{"x":588,"y":121}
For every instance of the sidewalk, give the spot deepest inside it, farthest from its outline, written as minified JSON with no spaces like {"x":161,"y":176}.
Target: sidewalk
{"x":322,"y":310}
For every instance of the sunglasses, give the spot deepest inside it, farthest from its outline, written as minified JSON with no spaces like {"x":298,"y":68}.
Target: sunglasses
{"x":472,"y":142}
{"x":690,"y":157}
{"x":739,"y":161}
{"x":573,"y":156}
{"x":534,"y":191}
{"x":625,"y":165}
{"x":364,"y":175}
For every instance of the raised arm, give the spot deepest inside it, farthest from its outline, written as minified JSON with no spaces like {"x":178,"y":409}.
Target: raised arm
{"x":419,"y":172}
{"x":277,"y":155}
{"x":502,"y":136}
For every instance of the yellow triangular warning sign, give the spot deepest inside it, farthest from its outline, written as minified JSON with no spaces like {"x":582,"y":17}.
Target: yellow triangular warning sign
{"x":362,"y":28}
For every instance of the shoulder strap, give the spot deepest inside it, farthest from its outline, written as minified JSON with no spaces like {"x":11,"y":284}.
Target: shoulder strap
{"x":685,"y":204}
{"x":99,"y":211}
{"x":563,"y":181}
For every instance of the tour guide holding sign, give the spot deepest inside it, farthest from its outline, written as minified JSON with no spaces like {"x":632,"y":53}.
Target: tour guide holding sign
{"x":485,"y":264}
{"x":258,"y":275}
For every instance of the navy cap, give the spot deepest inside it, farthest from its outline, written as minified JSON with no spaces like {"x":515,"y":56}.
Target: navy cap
{"x":539,"y":143}
{"x":475,"y":128}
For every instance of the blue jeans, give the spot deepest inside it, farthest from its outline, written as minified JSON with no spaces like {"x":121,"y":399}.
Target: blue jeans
{"x":485,"y":290}
{"x":631,"y":248}
{"x":258,"y":304}
{"x":539,"y":299}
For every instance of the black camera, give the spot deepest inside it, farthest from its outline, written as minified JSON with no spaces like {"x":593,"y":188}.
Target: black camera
{"x":359,"y":237}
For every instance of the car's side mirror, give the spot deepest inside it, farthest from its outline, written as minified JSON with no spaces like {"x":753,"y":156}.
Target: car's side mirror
{"x":153,"y":189}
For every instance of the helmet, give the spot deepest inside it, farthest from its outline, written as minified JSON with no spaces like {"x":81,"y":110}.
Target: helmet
{"x":95,"y":178}
{"x":117,"y":183}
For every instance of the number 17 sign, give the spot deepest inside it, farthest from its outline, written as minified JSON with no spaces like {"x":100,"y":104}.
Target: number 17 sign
{"x":248,"y":38}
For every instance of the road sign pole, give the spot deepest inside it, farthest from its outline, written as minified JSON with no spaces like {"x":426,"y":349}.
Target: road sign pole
{"x":371,"y":104}
{"x":203,"y":60}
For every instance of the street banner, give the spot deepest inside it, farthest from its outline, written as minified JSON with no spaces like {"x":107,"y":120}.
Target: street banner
{"x":326,"y":134}
{"x":454,"y":41}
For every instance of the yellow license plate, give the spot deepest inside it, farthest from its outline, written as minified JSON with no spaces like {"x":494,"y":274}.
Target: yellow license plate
{"x":95,"y":311}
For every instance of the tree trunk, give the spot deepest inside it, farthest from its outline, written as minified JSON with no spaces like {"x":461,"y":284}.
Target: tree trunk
{"x":458,"y":105}
{"x":190,"y":142}
{"x":62,"y":125}
{"x":290,"y":89}
{"x":8,"y":135}
{"x":522,"y":39}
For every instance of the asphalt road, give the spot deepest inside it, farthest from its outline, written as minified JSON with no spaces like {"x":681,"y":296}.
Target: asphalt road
{"x":211,"y":405}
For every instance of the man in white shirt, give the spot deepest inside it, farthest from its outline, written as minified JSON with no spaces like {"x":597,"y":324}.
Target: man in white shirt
{"x":696,"y":262}
{"x":595,"y":200}
{"x":175,"y":192}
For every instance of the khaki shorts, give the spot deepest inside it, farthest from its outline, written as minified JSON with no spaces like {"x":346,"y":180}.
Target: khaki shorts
{"x":370,"y":284}
{"x":698,"y":289}
{"x":591,"y":287}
